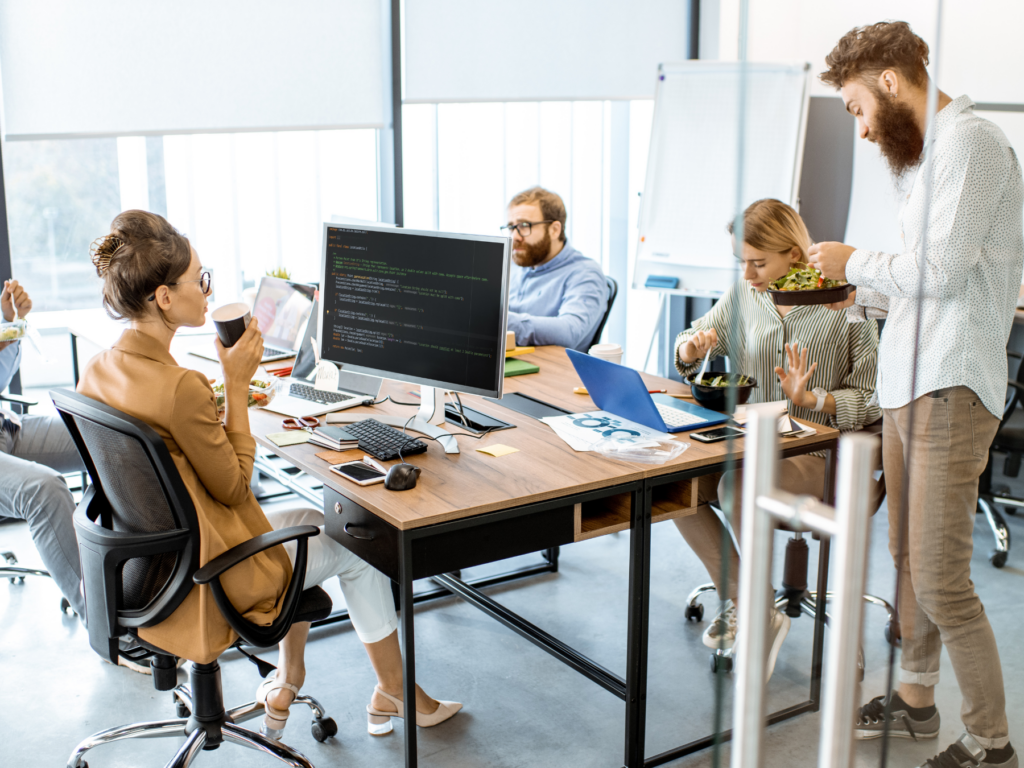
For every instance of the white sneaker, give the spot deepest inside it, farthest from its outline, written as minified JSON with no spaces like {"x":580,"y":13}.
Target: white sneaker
{"x":721,"y":633}
{"x":778,"y":628}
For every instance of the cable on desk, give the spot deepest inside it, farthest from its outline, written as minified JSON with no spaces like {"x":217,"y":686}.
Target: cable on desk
{"x":396,"y":402}
{"x":410,"y":438}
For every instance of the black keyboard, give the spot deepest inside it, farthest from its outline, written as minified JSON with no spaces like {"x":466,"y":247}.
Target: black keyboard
{"x":314,"y":395}
{"x":382,"y":441}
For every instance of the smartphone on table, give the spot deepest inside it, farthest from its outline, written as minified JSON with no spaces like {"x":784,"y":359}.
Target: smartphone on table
{"x":716,"y":434}
{"x":358,"y":472}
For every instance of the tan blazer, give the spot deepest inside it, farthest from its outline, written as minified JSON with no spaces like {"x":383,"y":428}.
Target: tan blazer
{"x":139,"y":377}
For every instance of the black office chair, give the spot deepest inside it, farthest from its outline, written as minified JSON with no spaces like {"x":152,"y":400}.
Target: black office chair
{"x":613,"y":291}
{"x":795,"y":597}
{"x":1010,"y":441}
{"x":138,"y":536}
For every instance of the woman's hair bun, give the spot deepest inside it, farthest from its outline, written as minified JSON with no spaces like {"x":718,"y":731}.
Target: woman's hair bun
{"x":102,"y":250}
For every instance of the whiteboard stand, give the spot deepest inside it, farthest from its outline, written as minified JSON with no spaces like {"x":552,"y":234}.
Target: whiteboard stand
{"x":660,"y":331}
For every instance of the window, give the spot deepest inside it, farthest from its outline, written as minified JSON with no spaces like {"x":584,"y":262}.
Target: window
{"x":464,"y":162}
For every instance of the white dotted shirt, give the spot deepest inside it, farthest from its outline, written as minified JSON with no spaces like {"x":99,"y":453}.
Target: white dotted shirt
{"x":972,"y":267}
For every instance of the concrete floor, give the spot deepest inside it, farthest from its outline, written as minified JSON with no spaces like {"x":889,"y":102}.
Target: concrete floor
{"x":522,"y":707}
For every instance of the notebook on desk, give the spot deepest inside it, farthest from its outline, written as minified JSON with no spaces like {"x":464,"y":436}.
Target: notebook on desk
{"x":620,"y":390}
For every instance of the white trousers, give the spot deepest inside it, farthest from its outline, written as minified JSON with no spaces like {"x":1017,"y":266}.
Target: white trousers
{"x":367,"y":591}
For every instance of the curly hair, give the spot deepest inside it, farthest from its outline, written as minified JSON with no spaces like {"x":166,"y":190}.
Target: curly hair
{"x":142,"y":252}
{"x":864,"y":53}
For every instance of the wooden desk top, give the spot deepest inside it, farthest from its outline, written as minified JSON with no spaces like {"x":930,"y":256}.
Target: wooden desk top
{"x":454,"y":486}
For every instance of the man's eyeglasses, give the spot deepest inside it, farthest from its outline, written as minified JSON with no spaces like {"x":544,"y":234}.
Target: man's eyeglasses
{"x":205,"y":281}
{"x":526,"y":227}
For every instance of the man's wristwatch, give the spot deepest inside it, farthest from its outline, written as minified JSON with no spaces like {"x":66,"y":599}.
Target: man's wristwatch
{"x":821,"y":394}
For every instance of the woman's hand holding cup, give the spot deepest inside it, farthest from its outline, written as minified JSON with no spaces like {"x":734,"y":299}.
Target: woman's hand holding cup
{"x":241,"y":360}
{"x":698,"y":345}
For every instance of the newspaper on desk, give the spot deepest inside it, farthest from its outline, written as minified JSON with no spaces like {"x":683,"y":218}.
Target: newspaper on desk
{"x":583,"y":431}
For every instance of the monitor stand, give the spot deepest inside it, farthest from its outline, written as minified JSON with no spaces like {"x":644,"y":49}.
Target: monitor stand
{"x":431,"y":416}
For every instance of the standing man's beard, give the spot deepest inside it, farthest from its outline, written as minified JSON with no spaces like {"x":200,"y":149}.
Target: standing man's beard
{"x":897,"y":134}
{"x":533,"y":254}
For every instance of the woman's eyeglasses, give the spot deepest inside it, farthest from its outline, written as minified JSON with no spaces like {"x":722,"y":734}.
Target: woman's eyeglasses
{"x":205,"y":281}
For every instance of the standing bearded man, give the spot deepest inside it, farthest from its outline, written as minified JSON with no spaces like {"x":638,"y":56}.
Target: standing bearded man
{"x":962,"y":262}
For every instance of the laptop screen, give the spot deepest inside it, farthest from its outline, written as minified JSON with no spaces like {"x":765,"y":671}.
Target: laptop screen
{"x":283,"y":309}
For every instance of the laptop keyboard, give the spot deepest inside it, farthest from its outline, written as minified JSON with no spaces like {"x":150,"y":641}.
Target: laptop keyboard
{"x":274,"y":352}
{"x":676,"y":418}
{"x":314,"y":395}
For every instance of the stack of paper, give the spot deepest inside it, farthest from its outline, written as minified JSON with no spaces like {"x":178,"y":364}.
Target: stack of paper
{"x":582,"y":431}
{"x":787,"y":427}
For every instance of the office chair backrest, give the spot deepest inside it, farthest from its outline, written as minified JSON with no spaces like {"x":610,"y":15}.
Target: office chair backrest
{"x":613,"y":291}
{"x":137,"y":563}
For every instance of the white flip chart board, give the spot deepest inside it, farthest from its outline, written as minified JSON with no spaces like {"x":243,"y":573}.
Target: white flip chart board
{"x":690,"y":192}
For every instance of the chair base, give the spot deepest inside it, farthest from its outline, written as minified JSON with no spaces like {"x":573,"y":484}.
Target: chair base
{"x":10,"y":569}
{"x":1000,"y":531}
{"x":205,"y":723}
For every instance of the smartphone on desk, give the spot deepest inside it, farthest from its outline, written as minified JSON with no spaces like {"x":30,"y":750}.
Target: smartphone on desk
{"x":716,"y":434}
{"x":358,"y":472}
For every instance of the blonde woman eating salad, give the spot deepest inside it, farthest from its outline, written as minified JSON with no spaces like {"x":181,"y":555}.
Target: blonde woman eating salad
{"x":807,"y":355}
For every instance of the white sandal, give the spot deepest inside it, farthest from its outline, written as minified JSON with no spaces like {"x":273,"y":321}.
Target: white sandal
{"x":379,"y":723}
{"x":274,"y":720}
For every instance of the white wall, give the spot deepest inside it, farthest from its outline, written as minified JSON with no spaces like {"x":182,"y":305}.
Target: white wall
{"x":979,"y":54}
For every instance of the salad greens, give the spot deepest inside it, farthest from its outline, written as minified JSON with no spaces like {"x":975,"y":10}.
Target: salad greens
{"x":804,"y":277}
{"x":724,"y":381}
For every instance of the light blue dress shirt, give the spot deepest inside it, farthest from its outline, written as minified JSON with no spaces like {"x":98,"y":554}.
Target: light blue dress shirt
{"x":10,"y":360}
{"x":560,"y":302}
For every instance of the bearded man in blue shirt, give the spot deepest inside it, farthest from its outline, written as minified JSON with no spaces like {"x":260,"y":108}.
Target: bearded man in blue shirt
{"x":556,"y":294}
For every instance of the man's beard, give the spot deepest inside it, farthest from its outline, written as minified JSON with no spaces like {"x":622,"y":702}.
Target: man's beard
{"x":897,"y":135}
{"x":533,"y":254}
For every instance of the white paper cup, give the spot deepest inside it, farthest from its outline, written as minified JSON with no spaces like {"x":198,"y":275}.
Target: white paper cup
{"x":231,"y":321}
{"x":610,"y":352}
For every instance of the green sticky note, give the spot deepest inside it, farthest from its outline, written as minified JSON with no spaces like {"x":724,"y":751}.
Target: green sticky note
{"x":516,"y":367}
{"x":291,"y":437}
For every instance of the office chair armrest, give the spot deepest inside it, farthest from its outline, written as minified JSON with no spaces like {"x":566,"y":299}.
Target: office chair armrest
{"x":1016,"y":385}
{"x":261,"y":636}
{"x":247,"y":549}
{"x":1018,"y":355}
{"x":18,"y":399}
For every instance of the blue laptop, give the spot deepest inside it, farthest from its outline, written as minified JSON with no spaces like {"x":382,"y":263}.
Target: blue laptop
{"x":620,"y":390}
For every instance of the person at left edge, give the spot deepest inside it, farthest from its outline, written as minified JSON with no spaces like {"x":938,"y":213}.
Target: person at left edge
{"x":34,"y":452}
{"x":556,"y":294}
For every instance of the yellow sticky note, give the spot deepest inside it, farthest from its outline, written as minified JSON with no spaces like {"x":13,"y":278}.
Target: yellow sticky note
{"x":291,"y":437}
{"x":498,"y":450}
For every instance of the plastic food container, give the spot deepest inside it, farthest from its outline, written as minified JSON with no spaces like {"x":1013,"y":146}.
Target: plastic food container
{"x":262,"y":390}
{"x":14,"y":330}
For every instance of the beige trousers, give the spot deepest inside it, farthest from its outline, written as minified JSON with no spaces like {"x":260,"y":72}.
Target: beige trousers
{"x":703,"y":530}
{"x":937,"y":603}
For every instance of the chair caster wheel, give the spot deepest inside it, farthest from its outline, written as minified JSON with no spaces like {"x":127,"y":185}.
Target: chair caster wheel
{"x":997,"y":558}
{"x":181,"y":709}
{"x":324,"y":729}
{"x":694,"y":612}
{"x":65,"y":607}
{"x":721,"y":662}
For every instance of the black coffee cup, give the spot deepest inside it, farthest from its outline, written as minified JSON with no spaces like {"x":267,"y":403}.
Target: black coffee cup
{"x":231,"y":321}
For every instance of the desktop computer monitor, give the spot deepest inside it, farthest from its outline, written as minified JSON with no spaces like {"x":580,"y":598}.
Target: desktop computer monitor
{"x":428,"y":308}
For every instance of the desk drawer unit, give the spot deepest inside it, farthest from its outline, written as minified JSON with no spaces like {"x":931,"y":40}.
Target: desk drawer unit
{"x":447,"y":546}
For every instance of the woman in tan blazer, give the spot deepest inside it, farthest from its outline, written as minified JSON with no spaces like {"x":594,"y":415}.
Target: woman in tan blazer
{"x":153,"y":278}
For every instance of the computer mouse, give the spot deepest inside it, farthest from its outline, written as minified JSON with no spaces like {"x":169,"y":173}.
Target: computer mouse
{"x":401,"y":477}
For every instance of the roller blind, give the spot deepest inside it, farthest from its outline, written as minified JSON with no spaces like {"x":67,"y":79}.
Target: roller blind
{"x":115,"y":67}
{"x":538,"y":50}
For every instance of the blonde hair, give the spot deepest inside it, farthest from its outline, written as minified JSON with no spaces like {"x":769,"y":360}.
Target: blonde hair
{"x":551,"y":206}
{"x":771,"y":225}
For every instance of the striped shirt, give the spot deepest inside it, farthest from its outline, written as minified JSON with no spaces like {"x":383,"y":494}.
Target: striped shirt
{"x":752,"y":333}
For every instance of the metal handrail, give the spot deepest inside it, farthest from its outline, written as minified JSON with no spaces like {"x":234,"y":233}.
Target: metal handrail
{"x":848,"y":524}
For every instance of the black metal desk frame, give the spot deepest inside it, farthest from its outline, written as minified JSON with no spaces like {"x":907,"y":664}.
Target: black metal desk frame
{"x":437,"y":550}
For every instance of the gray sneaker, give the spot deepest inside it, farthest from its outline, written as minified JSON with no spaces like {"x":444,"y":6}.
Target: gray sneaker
{"x":871,"y":721}
{"x":721,"y":633}
{"x":968,"y":753}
